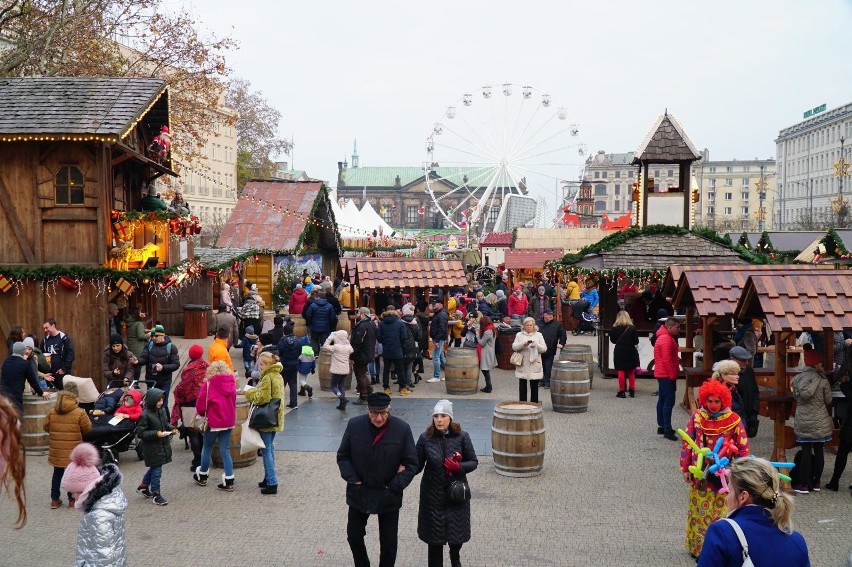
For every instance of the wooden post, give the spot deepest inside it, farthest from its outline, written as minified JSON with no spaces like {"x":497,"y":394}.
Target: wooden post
{"x":779,"y":451}
{"x":707,"y":332}
{"x":686,"y":358}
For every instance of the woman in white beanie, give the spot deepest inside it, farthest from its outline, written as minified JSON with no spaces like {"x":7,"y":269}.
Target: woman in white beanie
{"x":447,"y":455}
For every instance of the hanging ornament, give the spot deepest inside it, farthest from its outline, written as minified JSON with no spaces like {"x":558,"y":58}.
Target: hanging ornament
{"x":122,"y":229}
{"x":175,"y":225}
{"x":5,"y":284}
{"x":212,"y":273}
{"x":168,"y":282}
{"x":125,"y":286}
{"x":69,"y":283}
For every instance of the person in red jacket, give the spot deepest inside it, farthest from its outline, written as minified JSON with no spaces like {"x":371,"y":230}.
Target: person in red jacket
{"x":666,"y":371}
{"x":518,"y":303}
{"x":298,"y":300}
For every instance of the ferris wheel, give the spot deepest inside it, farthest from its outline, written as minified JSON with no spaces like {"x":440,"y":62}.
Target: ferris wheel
{"x":495,"y":152}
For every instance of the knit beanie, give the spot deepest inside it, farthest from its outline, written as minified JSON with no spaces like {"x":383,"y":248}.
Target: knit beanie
{"x":19,"y":349}
{"x":443,"y":406}
{"x":116,"y":339}
{"x":71,"y":388}
{"x":195,"y":352}
{"x":83,"y":469}
{"x":408,"y":309}
{"x":501,"y":294}
{"x":29,"y":342}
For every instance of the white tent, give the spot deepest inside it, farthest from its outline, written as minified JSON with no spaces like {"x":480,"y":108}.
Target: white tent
{"x":369,"y":214}
{"x":351,"y":222}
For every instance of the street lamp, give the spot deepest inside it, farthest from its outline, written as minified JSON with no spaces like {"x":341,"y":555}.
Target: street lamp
{"x":761,"y":192}
{"x":841,"y":170}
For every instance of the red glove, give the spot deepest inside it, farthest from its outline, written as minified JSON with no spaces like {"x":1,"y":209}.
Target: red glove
{"x":451,"y":466}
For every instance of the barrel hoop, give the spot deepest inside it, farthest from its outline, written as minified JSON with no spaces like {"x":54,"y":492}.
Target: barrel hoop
{"x":586,"y":395}
{"x":530,"y":433}
{"x":527,"y":417}
{"x":505,"y":454}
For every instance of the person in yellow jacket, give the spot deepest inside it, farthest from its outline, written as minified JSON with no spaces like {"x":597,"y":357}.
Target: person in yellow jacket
{"x":572,"y":290}
{"x":457,"y":327}
{"x":346,"y":296}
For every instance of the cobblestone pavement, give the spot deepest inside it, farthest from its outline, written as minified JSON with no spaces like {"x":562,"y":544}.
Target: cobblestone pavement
{"x":610,"y":494}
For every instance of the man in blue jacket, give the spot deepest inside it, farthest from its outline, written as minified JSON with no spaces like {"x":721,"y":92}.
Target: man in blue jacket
{"x":378,"y":459}
{"x":289,"y":351}
{"x":321,"y":320}
{"x":392,"y":334}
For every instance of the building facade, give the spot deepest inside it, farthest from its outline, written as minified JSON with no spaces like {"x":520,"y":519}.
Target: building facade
{"x":806,"y":152}
{"x":735,"y":194}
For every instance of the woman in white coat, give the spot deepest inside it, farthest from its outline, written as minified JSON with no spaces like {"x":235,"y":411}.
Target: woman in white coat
{"x":530,"y":344}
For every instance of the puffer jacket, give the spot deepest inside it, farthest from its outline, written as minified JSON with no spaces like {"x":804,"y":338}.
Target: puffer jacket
{"x":164,"y":354}
{"x":364,"y":341}
{"x":338,"y":344}
{"x":137,"y":338}
{"x":298,"y":299}
{"x":666,"y":363}
{"x":438,"y":327}
{"x":65,"y":425}
{"x":392,"y":335}
{"x":112,"y":361}
{"x":156,"y":450}
{"x":532,"y":368}
{"x":441,"y":521}
{"x":271,"y":385}
{"x":813,"y":396}
{"x":101,"y":538}
{"x":320,"y":316}
{"x":413,"y":339}
{"x":217,"y":399}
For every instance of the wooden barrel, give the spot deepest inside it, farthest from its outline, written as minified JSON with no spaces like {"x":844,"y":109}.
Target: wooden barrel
{"x":240,"y":459}
{"x":517,"y":439}
{"x":569,"y":386}
{"x":580,"y":353}
{"x":34,"y":437}
{"x":462,"y":371}
{"x":324,"y":371}
{"x":506,"y":339}
{"x":300,"y":329}
{"x":343,"y":323}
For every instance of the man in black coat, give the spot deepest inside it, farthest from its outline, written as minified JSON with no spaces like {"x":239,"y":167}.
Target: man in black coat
{"x":364,"y":350}
{"x":161,"y":359}
{"x":377,"y":458}
{"x":555,"y":338}
{"x":747,"y":388}
{"x":61,"y":350}
{"x":15,"y":371}
{"x":438,"y":329}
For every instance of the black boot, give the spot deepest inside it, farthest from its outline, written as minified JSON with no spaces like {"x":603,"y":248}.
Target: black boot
{"x":200,"y":478}
{"x":227,"y":484}
{"x":486,"y":389}
{"x":455,"y":560}
{"x":621,"y":394}
{"x":302,"y":391}
{"x":632,"y":393}
{"x":269,"y":489}
{"x":262,"y":483}
{"x":310,"y":390}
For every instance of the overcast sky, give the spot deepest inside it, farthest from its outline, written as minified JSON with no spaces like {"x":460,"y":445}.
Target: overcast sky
{"x":733,"y":72}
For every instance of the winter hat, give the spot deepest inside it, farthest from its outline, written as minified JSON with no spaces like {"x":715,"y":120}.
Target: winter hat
{"x":71,"y":388}
{"x":408,"y":309}
{"x":518,"y":287}
{"x":298,"y":286}
{"x":108,"y":480}
{"x":812,"y":357}
{"x":250,"y":333}
{"x":541,"y":288}
{"x":378,"y":401}
{"x":443,"y":406}
{"x":83,"y":469}
{"x":364,"y":311}
{"x":116,"y":339}
{"x":390,"y":309}
{"x":739,"y":353}
{"x":158,"y":331}
{"x":29,"y":342}
{"x":18,"y":349}
{"x":195,"y":352}
{"x":501,"y":294}
{"x":341,"y":337}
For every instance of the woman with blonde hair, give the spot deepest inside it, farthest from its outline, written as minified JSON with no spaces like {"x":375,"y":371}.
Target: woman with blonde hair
{"x":625,"y":357}
{"x":759,"y":523}
{"x":12,"y":463}
{"x":269,"y":387}
{"x":530,"y":344}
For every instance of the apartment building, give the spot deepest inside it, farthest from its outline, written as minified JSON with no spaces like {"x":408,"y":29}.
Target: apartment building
{"x":735,"y":194}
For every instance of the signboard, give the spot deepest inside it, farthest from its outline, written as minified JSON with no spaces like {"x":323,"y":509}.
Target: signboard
{"x":814,"y":110}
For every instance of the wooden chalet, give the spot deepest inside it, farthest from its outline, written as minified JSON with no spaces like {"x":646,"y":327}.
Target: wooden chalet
{"x":74,"y":159}
{"x":282,"y":221}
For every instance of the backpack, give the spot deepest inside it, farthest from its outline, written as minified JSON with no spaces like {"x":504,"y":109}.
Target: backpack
{"x":168,"y":347}
{"x":409,"y":345}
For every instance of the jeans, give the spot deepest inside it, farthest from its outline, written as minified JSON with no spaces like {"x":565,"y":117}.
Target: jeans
{"x":223,"y":438}
{"x":812,"y":464}
{"x":152,"y":478}
{"x":375,"y":370}
{"x":362,"y":383}
{"x":338,"y":385}
{"x":166,"y":388}
{"x":268,"y":457}
{"x":55,"y":483}
{"x":396,"y":365}
{"x":547,"y":367}
{"x":665,"y":402}
{"x":289,"y":374}
{"x":438,"y":358}
{"x":388,"y":530}
{"x":522,"y":390}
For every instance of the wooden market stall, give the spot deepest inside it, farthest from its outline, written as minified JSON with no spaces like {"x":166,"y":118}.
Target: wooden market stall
{"x":791,"y":304}
{"x":528,"y":265}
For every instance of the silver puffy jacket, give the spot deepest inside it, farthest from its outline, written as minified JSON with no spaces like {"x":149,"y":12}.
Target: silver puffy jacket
{"x":100,"y":539}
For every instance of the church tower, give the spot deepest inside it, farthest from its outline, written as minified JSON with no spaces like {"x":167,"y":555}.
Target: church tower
{"x":355,"y":154}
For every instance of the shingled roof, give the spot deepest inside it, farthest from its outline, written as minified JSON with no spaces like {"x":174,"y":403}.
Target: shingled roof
{"x":659,"y":251}
{"x":79,"y":106}
{"x":272,"y":215}
{"x":819,"y":302}
{"x":666,"y":142}
{"x":384,"y":273}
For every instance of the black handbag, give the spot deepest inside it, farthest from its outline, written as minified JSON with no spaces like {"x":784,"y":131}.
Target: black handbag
{"x":459,"y":491}
{"x":265,"y":416}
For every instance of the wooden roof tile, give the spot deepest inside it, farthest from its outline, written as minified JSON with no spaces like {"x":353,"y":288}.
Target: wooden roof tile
{"x":383,"y":273}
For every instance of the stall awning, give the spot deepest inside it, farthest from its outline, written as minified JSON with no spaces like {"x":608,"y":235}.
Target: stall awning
{"x":532,"y":258}
{"x":389,"y":273}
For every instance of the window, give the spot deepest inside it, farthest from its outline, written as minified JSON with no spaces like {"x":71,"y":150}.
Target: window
{"x":492,"y":215}
{"x":600,"y":189}
{"x":729,"y":182}
{"x":744,"y":195}
{"x":729,"y":169}
{"x":727,"y":210}
{"x":630,"y":174}
{"x":745,"y":181}
{"x":600,"y":206}
{"x":387,"y":213}
{"x":744,"y":211}
{"x":618,"y":205}
{"x":712,"y":184}
{"x":656,"y":174}
{"x":745,"y":168}
{"x":671,"y":173}
{"x":68,"y":184}
{"x":618,"y":175}
{"x":605,"y":174}
{"x":711,"y":196}
{"x":712,"y":169}
{"x":411,"y":215}
{"x":711,"y":210}
{"x":597,"y":175}
{"x":729,"y":196}
{"x":618,"y":188}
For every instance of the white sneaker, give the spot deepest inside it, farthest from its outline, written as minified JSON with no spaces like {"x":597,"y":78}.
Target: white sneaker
{"x":433,"y":380}
{"x":442,"y":378}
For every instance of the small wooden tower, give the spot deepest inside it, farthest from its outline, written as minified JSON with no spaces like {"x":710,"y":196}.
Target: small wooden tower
{"x":586,"y":206}
{"x":666,"y":144}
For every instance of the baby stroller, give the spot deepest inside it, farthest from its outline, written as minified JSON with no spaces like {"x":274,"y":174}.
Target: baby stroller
{"x":109,"y":435}
{"x":586,"y":322}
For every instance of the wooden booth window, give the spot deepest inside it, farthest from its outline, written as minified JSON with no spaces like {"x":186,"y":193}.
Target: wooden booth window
{"x":69,"y":183}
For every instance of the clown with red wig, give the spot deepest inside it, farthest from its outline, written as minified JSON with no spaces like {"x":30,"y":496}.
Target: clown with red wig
{"x":713,"y":420}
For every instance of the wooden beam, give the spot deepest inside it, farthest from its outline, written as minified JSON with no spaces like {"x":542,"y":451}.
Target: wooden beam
{"x":16,"y":225}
